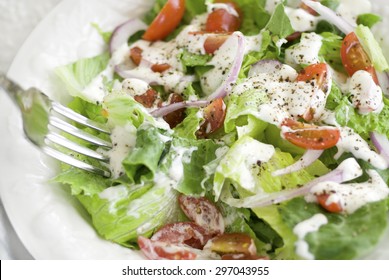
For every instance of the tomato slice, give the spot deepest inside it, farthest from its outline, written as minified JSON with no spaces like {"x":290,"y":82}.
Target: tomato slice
{"x":309,"y":136}
{"x":148,"y":98}
{"x":330,"y":207}
{"x":354,"y":57}
{"x":221,"y":21}
{"x":214,"y":115}
{"x":203,"y":212}
{"x":315,"y":72}
{"x":214,"y":42}
{"x":157,"y":250}
{"x":187,"y":233}
{"x":166,"y":21}
{"x":232,"y":243}
{"x":176,"y":117}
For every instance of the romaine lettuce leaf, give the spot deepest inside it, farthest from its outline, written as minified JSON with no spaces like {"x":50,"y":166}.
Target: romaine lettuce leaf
{"x":343,"y":237}
{"x":76,"y":76}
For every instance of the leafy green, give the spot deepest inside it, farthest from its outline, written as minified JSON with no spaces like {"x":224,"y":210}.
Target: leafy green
{"x":368,"y":20}
{"x":279,"y":23}
{"x":372,"y":47}
{"x":347,"y":115}
{"x":76,"y":76}
{"x":332,"y":241}
{"x":330,"y":50}
{"x":142,"y":162}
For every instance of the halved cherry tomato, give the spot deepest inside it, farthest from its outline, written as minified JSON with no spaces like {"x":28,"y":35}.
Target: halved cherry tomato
{"x":203,"y":212}
{"x":354,"y":57}
{"x":221,"y":21}
{"x":148,"y":98}
{"x":214,"y":115}
{"x":232,"y":243}
{"x":318,"y":74}
{"x":187,"y":233}
{"x":158,"y":250}
{"x":309,"y":136}
{"x":166,"y":21}
{"x":176,"y":117}
{"x":214,"y":42}
{"x":331,"y":207}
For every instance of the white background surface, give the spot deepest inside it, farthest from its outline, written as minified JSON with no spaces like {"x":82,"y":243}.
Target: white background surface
{"x":17,"y":19}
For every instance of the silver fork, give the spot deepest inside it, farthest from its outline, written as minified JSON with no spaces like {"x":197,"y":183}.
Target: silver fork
{"x":45,"y":121}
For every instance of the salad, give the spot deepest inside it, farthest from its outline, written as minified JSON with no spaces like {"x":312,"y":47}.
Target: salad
{"x":240,"y":129}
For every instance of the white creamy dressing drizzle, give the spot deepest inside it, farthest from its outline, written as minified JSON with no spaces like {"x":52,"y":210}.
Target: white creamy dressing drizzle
{"x":183,"y":155}
{"x":287,"y":97}
{"x":365,"y":94}
{"x":113,"y":195}
{"x":306,"y":52}
{"x":134,"y":87}
{"x":353,"y":143}
{"x":123,"y":141}
{"x":301,"y":20}
{"x":215,"y":6}
{"x":352,"y":196}
{"x":302,"y":229}
{"x":251,"y":152}
{"x":350,"y":9}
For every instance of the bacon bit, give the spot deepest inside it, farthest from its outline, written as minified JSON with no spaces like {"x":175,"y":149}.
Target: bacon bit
{"x":148,"y":98}
{"x":136,"y":55}
{"x":160,"y":67}
{"x":309,"y":9}
{"x":176,"y":117}
{"x":293,"y":36}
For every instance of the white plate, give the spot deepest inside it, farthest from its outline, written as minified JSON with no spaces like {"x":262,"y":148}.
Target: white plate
{"x":47,"y":219}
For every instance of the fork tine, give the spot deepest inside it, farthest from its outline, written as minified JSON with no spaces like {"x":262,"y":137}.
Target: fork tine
{"x":64,"y":142}
{"x":62,"y":110}
{"x":72,"y":130}
{"x":75,"y":162}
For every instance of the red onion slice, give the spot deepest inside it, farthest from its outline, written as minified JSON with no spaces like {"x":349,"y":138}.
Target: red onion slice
{"x":330,"y":16}
{"x":227,"y":84}
{"x":163,"y":111}
{"x":349,"y":169}
{"x":381,"y":142}
{"x":266,"y":66}
{"x":307,"y":159}
{"x":122,"y":32}
{"x":128,"y":73}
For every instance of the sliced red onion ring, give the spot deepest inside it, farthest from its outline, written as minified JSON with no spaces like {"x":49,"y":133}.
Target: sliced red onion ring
{"x":383,"y":79}
{"x":122,"y":32}
{"x":307,"y":159}
{"x":127,"y":73}
{"x":349,"y":169}
{"x":330,"y":16}
{"x":163,"y":111}
{"x":381,"y":142}
{"x":266,"y":66}
{"x":227,"y":84}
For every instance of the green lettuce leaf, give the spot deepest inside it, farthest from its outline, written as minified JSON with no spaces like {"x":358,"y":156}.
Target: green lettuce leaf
{"x":343,"y":237}
{"x":368,"y":20}
{"x":279,"y":23}
{"x":76,"y":76}
{"x":142,"y":162}
{"x":372,"y":47}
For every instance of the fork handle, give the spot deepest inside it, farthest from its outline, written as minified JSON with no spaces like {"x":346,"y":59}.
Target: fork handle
{"x":11,"y":88}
